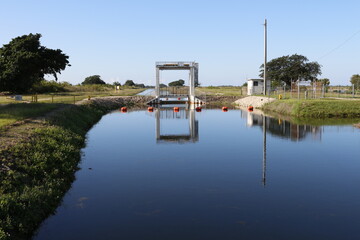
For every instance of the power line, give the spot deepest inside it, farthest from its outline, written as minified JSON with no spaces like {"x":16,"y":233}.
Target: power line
{"x":340,"y":45}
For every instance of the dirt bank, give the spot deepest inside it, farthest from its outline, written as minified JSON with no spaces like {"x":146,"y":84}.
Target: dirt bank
{"x":255,"y":101}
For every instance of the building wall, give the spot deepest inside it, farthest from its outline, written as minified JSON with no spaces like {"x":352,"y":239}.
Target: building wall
{"x":255,"y":89}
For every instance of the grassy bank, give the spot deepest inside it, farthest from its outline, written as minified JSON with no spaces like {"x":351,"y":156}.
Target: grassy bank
{"x":36,"y":172}
{"x":319,"y":108}
{"x":71,"y":97}
{"x":221,"y":91}
{"x":16,"y":112}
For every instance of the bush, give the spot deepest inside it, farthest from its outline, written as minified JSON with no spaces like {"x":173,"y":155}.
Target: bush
{"x":50,"y":86}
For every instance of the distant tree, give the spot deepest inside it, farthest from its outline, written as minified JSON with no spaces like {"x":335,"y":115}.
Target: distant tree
{"x":325,"y":81}
{"x":162,"y":85}
{"x":95,"y":79}
{"x":129,"y":83}
{"x":140,"y":85}
{"x":355,"y":80}
{"x":294,"y":67}
{"x":178,"y":83}
{"x":24,"y":62}
{"x":116,"y":83}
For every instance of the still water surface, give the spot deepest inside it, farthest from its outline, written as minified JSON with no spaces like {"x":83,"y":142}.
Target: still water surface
{"x":212,"y":175}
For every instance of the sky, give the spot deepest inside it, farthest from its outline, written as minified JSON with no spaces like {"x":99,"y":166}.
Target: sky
{"x":122,"y":39}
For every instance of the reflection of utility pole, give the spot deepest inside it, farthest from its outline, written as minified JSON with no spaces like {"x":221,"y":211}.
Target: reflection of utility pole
{"x":264,"y":151}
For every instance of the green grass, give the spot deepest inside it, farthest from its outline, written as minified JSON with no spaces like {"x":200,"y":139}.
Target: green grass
{"x":15,"y":112}
{"x":221,"y":91}
{"x":41,"y":170}
{"x":317,"y":108}
{"x":68,"y":97}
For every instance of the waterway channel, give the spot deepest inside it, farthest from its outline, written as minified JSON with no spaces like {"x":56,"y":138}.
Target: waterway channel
{"x":212,"y":175}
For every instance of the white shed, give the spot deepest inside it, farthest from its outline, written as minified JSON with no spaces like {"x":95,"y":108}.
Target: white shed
{"x":255,"y":86}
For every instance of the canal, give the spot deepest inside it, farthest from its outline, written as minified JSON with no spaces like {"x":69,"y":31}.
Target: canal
{"x":212,"y":175}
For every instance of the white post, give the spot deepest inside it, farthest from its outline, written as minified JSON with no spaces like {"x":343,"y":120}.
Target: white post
{"x":298,"y":87}
{"x":192,"y":84}
{"x":157,"y":87}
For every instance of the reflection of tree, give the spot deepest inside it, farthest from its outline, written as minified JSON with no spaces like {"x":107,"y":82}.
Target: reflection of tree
{"x":284,"y":129}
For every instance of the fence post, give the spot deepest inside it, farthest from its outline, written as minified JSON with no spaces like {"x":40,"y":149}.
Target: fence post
{"x":284,"y":91}
{"x":353,"y":90}
{"x":298,"y":91}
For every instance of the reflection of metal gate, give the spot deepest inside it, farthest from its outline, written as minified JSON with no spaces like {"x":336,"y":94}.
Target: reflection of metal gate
{"x":191,"y":136}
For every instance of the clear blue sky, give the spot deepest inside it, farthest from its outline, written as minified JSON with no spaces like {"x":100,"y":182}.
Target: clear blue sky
{"x":123,"y":39}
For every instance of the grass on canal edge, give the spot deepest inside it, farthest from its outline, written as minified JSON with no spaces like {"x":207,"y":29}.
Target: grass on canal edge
{"x":35,"y":174}
{"x":315,"y":108}
{"x":16,"y":112}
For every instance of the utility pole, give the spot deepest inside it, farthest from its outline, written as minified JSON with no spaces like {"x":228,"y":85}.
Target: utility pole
{"x":265,"y":54}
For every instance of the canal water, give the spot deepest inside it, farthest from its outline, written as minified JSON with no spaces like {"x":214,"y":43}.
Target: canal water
{"x":212,"y":175}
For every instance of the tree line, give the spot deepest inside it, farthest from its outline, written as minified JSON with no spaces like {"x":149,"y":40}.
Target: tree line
{"x":24,"y":62}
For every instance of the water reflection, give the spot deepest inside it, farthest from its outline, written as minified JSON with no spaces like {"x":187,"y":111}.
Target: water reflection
{"x":211,"y":189}
{"x":284,"y":129}
{"x":264,"y":151}
{"x":176,"y":126}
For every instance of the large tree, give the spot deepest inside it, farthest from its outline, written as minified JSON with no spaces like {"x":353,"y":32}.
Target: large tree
{"x":23,"y":62}
{"x":355,"y":80}
{"x":291,"y":68}
{"x":95,"y":79}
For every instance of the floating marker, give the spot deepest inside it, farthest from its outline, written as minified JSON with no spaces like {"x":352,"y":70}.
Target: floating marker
{"x":198,"y":109}
{"x":176,"y":109}
{"x":123,"y":109}
{"x":251,"y":108}
{"x":224,"y":109}
{"x":150,"y":109}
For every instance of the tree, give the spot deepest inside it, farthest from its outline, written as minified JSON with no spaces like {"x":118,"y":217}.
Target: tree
{"x":129,"y":83}
{"x":25,"y":62}
{"x":95,"y":79}
{"x":291,"y":68}
{"x":140,"y":85}
{"x":325,"y":81}
{"x":355,"y":80}
{"x":178,"y":83}
{"x":116,"y":83}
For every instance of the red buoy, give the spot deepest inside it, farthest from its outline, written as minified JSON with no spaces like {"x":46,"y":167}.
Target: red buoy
{"x":251,"y":108}
{"x":150,"y":109}
{"x":198,"y":109}
{"x":179,"y":98}
{"x":123,"y":109}
{"x":224,"y":109}
{"x":176,"y":109}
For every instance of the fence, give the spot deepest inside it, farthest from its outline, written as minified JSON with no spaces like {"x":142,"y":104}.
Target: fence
{"x":314,"y":90}
{"x":42,"y":98}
